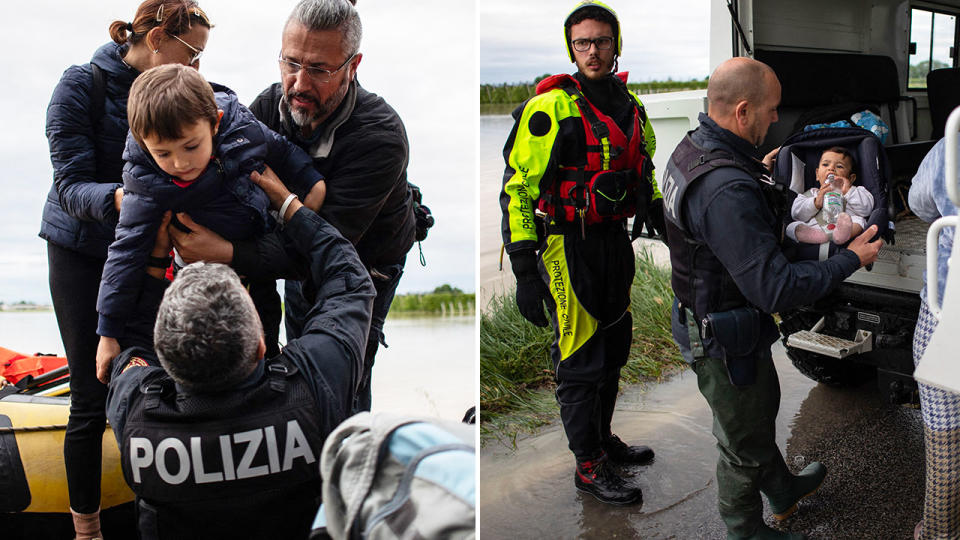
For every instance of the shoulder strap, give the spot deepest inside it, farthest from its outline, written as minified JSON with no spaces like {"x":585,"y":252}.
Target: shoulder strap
{"x":98,"y":95}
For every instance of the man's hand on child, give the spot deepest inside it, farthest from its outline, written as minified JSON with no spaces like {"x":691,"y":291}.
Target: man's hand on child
{"x":278,"y":192}
{"x":200,"y":244}
{"x":271,"y":184}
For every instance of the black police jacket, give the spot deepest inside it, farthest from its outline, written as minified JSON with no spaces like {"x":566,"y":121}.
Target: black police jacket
{"x":725,"y":214}
{"x":242,"y":463}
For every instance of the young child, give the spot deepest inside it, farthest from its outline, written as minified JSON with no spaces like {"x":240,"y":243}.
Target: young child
{"x":811,"y":224}
{"x":191,"y":148}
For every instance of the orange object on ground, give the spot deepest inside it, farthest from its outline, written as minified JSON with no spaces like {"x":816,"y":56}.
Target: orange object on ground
{"x":15,"y":366}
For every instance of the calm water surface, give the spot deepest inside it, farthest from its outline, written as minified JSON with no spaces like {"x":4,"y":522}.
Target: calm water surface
{"x":428,"y":368}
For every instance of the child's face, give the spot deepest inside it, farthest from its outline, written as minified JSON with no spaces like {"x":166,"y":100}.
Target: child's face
{"x":838,"y":164}
{"x":186,"y":157}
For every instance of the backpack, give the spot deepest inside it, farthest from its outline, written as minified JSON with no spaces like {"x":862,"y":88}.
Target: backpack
{"x":387,"y":476}
{"x":422,"y":217}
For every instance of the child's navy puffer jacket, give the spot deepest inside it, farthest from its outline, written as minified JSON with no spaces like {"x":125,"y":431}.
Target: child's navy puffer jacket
{"x":222,"y":198}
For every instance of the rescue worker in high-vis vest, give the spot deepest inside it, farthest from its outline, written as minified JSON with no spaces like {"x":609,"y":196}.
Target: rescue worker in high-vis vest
{"x":725,"y":221}
{"x":578,"y":164}
{"x":217,"y":441}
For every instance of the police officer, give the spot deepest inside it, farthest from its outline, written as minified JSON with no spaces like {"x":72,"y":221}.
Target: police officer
{"x":728,"y":274}
{"x":580,"y":155}
{"x":220,"y":442}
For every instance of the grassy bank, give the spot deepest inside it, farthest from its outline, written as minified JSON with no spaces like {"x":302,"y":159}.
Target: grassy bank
{"x":516,"y":375}
{"x":444,"y":300}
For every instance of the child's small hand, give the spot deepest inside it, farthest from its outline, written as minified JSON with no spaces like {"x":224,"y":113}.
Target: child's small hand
{"x":824,"y":189}
{"x":843,"y":184}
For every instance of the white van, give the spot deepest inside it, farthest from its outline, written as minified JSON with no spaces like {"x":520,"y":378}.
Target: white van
{"x":829,"y":54}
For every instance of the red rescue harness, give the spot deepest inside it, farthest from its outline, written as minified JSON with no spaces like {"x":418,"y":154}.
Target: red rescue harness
{"x":605,"y":189}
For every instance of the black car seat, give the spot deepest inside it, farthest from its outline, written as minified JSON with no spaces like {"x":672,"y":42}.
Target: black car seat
{"x":797,"y":164}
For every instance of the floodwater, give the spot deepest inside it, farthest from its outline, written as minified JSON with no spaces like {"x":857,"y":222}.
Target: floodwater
{"x":873,"y":452}
{"x":491,"y":281}
{"x":428,"y":369}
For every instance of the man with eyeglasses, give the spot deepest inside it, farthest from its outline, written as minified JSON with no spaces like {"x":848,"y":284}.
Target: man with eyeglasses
{"x":578,"y":164}
{"x":357,"y":142}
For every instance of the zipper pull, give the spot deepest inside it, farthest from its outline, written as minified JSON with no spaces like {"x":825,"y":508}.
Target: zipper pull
{"x":583,"y":229}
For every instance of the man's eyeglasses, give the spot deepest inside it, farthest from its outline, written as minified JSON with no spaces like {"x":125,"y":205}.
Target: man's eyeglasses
{"x":197,"y":53}
{"x":583,"y":45}
{"x":316,"y":74}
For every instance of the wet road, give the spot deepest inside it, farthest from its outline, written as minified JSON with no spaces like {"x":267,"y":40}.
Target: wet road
{"x":874,"y":455}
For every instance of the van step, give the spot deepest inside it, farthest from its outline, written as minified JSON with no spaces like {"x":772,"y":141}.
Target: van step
{"x":815,"y":342}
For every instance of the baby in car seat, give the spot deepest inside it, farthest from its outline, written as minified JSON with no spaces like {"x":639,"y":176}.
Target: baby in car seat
{"x":813,"y":212}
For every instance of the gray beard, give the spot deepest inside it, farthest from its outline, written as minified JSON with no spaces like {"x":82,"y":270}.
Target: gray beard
{"x":304,"y":119}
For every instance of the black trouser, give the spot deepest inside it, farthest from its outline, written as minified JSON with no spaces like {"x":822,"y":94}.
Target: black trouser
{"x":589,"y":277}
{"x":74,"y":284}
{"x":385,"y":280}
{"x":267,"y":301}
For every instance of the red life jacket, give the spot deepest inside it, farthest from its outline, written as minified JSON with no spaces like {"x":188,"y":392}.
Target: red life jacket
{"x":617,"y":169}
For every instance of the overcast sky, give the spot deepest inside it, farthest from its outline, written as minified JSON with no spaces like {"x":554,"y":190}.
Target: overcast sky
{"x":520,"y":40}
{"x":429,"y":77}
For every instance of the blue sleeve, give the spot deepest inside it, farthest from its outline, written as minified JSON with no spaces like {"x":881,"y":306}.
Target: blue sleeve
{"x":72,"y":150}
{"x":736,"y":225}
{"x":291,"y":163}
{"x":928,"y":192}
{"x":335,"y":329}
{"x":124,"y":271}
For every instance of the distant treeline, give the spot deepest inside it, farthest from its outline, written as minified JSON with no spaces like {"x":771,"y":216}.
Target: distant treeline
{"x":444,"y":300}
{"x":517,"y":93}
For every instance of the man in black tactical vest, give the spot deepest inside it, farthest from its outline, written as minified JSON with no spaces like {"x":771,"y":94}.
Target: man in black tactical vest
{"x":580,"y":154}
{"x":724,"y":227}
{"x":216,"y":441}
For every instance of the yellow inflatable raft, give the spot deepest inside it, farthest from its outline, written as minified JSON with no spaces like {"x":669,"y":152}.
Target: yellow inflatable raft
{"x":32,"y":474}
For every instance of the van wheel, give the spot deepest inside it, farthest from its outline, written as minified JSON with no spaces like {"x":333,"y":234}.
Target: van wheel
{"x":830,"y":371}
{"x":823,"y":369}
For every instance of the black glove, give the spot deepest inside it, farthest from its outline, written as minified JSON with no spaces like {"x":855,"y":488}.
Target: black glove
{"x":532,"y":292}
{"x":652,"y":218}
{"x":655,"y":224}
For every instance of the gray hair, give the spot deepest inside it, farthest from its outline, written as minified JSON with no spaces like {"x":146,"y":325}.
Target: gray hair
{"x":207,"y":330}
{"x":317,"y":15}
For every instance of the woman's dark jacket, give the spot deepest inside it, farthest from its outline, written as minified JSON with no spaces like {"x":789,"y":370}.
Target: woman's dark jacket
{"x":79,"y":213}
{"x":222,"y":198}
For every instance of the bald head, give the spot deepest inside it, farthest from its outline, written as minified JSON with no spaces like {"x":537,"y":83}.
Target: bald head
{"x":738,"y":79}
{"x":743,"y":95}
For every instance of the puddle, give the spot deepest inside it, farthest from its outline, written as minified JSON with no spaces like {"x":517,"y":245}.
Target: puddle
{"x":529,"y":492}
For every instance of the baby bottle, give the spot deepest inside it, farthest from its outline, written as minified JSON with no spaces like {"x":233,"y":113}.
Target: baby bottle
{"x":832,"y":202}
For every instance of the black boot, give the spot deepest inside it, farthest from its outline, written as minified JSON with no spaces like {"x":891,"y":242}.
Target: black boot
{"x":596,"y":478}
{"x":621,"y":452}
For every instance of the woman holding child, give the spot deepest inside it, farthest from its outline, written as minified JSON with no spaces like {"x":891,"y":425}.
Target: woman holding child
{"x":87,"y":129}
